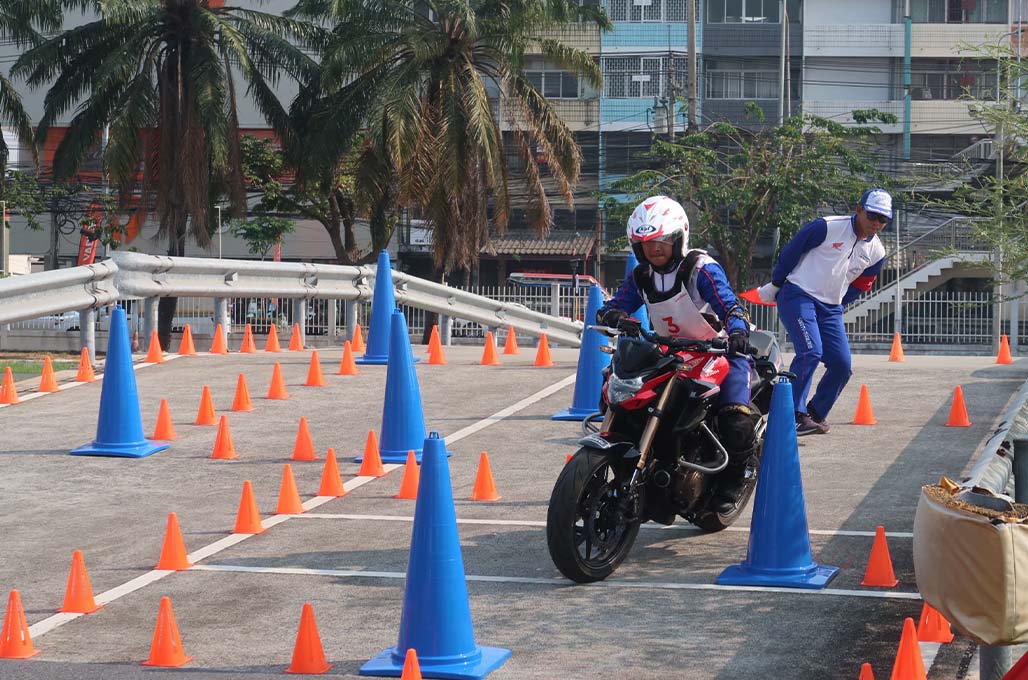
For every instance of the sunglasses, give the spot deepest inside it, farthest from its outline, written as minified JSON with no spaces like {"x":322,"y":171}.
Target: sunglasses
{"x":877,"y":217}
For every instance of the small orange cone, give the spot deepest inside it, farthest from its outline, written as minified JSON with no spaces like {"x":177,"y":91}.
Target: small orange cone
{"x":173,"y":552}
{"x":933,"y":626}
{"x":164,"y":431}
{"x":308,"y":654}
{"x":78,"y":596}
{"x":15,"y":641}
{"x":248,"y":346}
{"x":289,"y":502}
{"x":272,"y":344}
{"x":489,"y":356}
{"x":205,"y":415}
{"x":542,"y":355}
{"x":511,"y":345}
{"x":224,"y":449}
{"x":1004,"y":351}
{"x":411,"y":667}
{"x":315,"y":378}
{"x":185,"y":345}
{"x":358,"y":339}
{"x":295,"y":339}
{"x":371,"y":464}
{"x":303,"y":449}
{"x":218,"y":343}
{"x":958,"y":411}
{"x":909,"y":664}
{"x":85,"y":373}
{"x":348,"y":366}
{"x":485,"y":489}
{"x":278,"y":384}
{"x":436,"y":356}
{"x":242,"y":402}
{"x":568,"y":459}
{"x":248,"y":519}
{"x":896,"y":353}
{"x":865,"y":415}
{"x":331,"y":480}
{"x":47,"y":381}
{"x":8,"y":392}
{"x":411,"y":478}
{"x":154,"y":354}
{"x":879,"y":565}
{"x":866,"y":673}
{"x":166,"y":648}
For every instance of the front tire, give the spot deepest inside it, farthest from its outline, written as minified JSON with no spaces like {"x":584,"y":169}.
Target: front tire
{"x":587,"y":528}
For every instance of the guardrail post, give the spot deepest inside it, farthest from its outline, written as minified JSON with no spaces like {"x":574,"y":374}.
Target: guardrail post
{"x":221,"y":317}
{"x":1015,"y":324}
{"x":87,"y":331}
{"x":149,"y":320}
{"x":1021,"y":470}
{"x":332,"y":319}
{"x":350,"y":317}
{"x":555,"y":299}
{"x":994,"y":662}
{"x":300,"y":310}
{"x":445,"y":328}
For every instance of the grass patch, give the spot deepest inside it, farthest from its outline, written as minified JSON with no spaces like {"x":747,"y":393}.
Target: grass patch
{"x":27,"y":369}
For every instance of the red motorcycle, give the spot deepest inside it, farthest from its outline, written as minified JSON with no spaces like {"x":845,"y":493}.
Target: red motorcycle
{"x":656,"y":455}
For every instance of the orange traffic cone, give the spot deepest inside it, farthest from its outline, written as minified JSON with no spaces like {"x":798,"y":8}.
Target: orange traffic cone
{"x":242,"y":402}
{"x":371,"y":464}
{"x":315,"y":378}
{"x":879,"y":565}
{"x":489,"y":356}
{"x":78,"y":596}
{"x":896,"y":353}
{"x":511,"y":345}
{"x":331,"y":480}
{"x":348,"y":366}
{"x":933,"y":626}
{"x":272,"y":344}
{"x":308,"y":654}
{"x":485,"y":489}
{"x":154,"y":354}
{"x":278,"y":384}
{"x":224,"y":449}
{"x":166,"y":649}
{"x":164,"y":431}
{"x":295,"y":339}
{"x":958,"y":411}
{"x":909,"y":664}
{"x":218,"y":345}
{"x":568,"y":458}
{"x":47,"y":381}
{"x":85,"y":373}
{"x":358,"y":339}
{"x":185,"y":345}
{"x":865,"y":415}
{"x":866,"y":673}
{"x":15,"y":641}
{"x":303,"y":449}
{"x":205,"y":415}
{"x":542,"y":355}
{"x":8,"y":392}
{"x":411,"y":667}
{"x":1004,"y":351}
{"x":248,"y":519}
{"x":436,"y":357}
{"x":248,"y":346}
{"x":411,"y":478}
{"x":173,"y":552}
{"x":289,"y":502}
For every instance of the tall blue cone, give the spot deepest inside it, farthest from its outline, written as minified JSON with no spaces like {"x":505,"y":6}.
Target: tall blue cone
{"x":640,"y":314}
{"x":382,"y":306}
{"x":779,"y":549}
{"x":589,"y":380}
{"x":436,"y":618}
{"x":119,"y":429}
{"x":403,"y":421}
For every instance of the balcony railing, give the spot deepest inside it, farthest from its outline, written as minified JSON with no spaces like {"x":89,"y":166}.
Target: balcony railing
{"x":886,"y":40}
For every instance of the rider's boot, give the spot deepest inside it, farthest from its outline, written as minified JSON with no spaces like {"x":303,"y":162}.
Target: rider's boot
{"x":737,"y":429}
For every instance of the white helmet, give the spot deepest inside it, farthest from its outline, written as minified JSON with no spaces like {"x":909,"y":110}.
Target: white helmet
{"x":658,"y":218}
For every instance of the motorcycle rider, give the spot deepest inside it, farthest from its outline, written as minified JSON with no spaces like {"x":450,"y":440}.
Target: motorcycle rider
{"x":687,"y":295}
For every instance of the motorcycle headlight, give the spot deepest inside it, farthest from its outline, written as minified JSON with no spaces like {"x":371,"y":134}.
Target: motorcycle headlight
{"x":620,"y":389}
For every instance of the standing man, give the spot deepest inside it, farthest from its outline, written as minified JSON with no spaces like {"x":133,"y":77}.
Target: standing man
{"x":827,"y":264}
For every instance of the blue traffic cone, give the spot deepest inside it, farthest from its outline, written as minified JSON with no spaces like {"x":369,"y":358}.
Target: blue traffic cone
{"x":436,"y":618}
{"x":640,"y":314}
{"x":119,"y":430}
{"x":403,"y":420}
{"x":382,"y":306}
{"x":779,"y":549}
{"x":589,"y":380}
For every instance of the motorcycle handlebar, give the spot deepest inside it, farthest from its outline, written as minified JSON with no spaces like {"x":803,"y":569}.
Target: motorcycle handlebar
{"x":714,"y":346}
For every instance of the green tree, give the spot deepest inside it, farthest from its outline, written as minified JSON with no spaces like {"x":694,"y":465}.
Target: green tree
{"x":740,"y":185}
{"x":261,"y":232}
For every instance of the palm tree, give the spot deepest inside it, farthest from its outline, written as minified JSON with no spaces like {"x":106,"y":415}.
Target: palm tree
{"x":160,"y":75}
{"x":421,"y":83}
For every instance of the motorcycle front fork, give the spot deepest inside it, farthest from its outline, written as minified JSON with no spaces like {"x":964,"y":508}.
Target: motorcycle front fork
{"x":649,"y":432}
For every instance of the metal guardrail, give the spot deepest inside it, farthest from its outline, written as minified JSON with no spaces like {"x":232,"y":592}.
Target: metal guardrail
{"x":994,"y":467}
{"x":61,"y":290}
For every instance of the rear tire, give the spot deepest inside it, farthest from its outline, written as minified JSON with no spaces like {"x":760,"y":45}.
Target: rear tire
{"x":711,"y":521}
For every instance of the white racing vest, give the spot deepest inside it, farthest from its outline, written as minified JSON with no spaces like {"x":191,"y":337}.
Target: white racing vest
{"x":681,"y":316}
{"x":825,"y":272}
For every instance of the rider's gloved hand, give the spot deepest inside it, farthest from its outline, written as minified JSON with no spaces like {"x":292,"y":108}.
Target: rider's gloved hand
{"x":611,"y":316}
{"x":630,"y":326}
{"x":738,"y":342}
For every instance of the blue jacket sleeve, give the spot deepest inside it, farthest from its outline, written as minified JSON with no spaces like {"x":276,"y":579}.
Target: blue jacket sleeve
{"x":863,"y":283}
{"x":627,"y":299}
{"x":712,"y":285}
{"x":811,"y":235}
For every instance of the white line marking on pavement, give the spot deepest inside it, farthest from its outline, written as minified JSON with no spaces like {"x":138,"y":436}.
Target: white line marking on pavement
{"x":510,"y":410}
{"x":555,"y":581}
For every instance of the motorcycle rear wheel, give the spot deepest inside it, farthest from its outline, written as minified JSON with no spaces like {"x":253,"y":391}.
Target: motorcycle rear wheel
{"x":587,"y":532}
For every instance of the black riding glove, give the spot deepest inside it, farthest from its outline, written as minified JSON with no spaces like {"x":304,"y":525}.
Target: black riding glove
{"x":610,"y":316}
{"x":629,"y":326}
{"x":738,"y":342}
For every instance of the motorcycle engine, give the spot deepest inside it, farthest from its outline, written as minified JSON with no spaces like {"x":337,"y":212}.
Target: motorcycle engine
{"x":688,"y":487}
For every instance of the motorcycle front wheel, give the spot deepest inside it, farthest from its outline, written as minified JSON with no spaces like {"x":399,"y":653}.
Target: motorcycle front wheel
{"x":587,"y":528}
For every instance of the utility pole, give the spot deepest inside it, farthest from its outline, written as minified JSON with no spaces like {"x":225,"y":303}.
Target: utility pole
{"x":671,"y":104}
{"x":5,"y":241}
{"x":691,"y":20}
{"x":906,"y":80}
{"x":788,"y":61}
{"x":781,"y":65}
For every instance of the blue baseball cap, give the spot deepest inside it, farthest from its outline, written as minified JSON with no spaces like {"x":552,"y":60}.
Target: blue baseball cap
{"x":877,"y":201}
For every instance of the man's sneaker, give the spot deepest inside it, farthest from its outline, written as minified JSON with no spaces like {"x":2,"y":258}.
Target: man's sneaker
{"x":806,"y":425}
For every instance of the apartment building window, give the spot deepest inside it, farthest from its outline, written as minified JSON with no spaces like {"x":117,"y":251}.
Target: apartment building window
{"x":554,"y":84}
{"x":746,"y":85}
{"x":625,"y":77}
{"x":647,"y":10}
{"x":952,"y":80}
{"x":751,"y":11}
{"x":958,"y":11}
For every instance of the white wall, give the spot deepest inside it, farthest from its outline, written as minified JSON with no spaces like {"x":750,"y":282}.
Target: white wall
{"x":847,"y":12}
{"x":849,"y":79}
